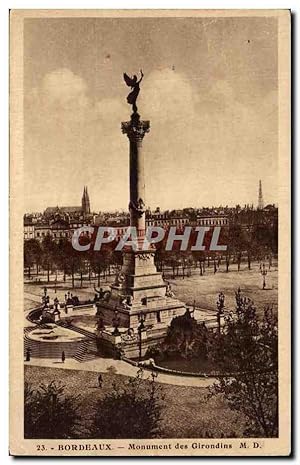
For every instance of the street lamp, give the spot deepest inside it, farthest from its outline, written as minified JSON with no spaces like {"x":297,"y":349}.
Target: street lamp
{"x":264,"y":273}
{"x":45,"y":297}
{"x":141,"y":327}
{"x":220,"y":307}
{"x":55,"y":282}
{"x":116,"y":323}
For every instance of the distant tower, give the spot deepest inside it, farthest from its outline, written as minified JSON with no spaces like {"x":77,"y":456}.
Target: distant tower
{"x":85,"y":202}
{"x":260,"y":197}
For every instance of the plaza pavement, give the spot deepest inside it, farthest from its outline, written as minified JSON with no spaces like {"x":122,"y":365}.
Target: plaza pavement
{"x":119,"y":367}
{"x":33,"y":297}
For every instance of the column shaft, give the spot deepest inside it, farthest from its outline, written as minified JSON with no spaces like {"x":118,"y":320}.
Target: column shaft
{"x":137,"y":187}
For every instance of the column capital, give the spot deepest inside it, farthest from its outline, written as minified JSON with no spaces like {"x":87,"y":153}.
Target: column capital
{"x":135,"y":128}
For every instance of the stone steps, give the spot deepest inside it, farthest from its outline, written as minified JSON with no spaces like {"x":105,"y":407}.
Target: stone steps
{"x":87,"y":351}
{"x":46,"y":349}
{"x":82,"y":351}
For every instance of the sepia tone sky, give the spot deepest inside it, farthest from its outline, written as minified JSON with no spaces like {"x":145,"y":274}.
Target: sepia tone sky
{"x":210,"y":92}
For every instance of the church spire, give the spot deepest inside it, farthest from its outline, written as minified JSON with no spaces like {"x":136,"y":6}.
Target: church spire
{"x":85,"y":202}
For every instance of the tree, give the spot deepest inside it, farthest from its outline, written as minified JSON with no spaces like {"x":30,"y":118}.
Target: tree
{"x":161,"y":256}
{"x":117,"y":261}
{"x":97,"y":263}
{"x":173,"y":261}
{"x":107,"y":259}
{"x":186,"y":261}
{"x":199,"y":256}
{"x":28,"y":258}
{"x":237,"y":242}
{"x":133,"y":411}
{"x":80,"y":257}
{"x":251,"y":246}
{"x":63,"y":249}
{"x":234,"y":240}
{"x":50,"y":413}
{"x":247,"y":352}
{"x":72,"y":260}
{"x":49,"y":253}
{"x":32,"y":254}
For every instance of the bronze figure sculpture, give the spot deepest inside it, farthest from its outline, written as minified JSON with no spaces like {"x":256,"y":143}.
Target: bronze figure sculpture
{"x":134,"y":83}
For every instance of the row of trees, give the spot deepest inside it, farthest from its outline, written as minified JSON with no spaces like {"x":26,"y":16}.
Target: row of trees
{"x":53,"y":256}
{"x":259,"y":243}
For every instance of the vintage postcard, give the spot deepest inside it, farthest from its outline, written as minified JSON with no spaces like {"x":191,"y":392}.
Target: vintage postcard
{"x":150,"y":302}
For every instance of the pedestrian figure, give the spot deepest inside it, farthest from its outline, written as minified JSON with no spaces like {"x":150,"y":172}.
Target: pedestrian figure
{"x":100,"y":380}
{"x":28,"y":354}
{"x":63,"y":356}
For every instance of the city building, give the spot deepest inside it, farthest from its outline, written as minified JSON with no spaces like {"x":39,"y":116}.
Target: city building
{"x":58,"y":222}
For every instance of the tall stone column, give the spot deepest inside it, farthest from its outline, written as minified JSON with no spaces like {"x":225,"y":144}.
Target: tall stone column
{"x":139,"y":289}
{"x":135,"y":129}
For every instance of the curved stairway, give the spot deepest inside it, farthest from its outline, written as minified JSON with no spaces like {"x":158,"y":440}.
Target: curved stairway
{"x":81,"y":351}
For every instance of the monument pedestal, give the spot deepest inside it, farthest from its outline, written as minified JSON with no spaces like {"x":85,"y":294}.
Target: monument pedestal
{"x":140,"y":289}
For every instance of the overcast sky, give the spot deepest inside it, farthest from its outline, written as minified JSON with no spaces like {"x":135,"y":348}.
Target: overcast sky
{"x":210,"y":92}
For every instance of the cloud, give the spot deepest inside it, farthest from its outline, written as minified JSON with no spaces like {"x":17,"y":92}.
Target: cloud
{"x":59,"y":101}
{"x":166,"y":95}
{"x":200,"y":151}
{"x":62,"y":86}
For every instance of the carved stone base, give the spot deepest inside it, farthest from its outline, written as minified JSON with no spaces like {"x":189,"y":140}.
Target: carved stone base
{"x":139,"y":288}
{"x":140,"y":278}
{"x":157,"y":312}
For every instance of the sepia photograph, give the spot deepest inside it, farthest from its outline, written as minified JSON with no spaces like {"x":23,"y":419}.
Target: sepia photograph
{"x":150,"y":231}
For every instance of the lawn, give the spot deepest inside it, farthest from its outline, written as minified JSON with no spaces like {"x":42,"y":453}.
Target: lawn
{"x":204,"y":290}
{"x":187,"y":412}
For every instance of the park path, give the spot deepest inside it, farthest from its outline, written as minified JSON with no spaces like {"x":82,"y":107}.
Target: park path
{"x":33,"y":297}
{"x":119,"y":367}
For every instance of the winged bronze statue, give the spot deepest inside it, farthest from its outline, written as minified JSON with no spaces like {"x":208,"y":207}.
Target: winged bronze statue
{"x":134,"y":83}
